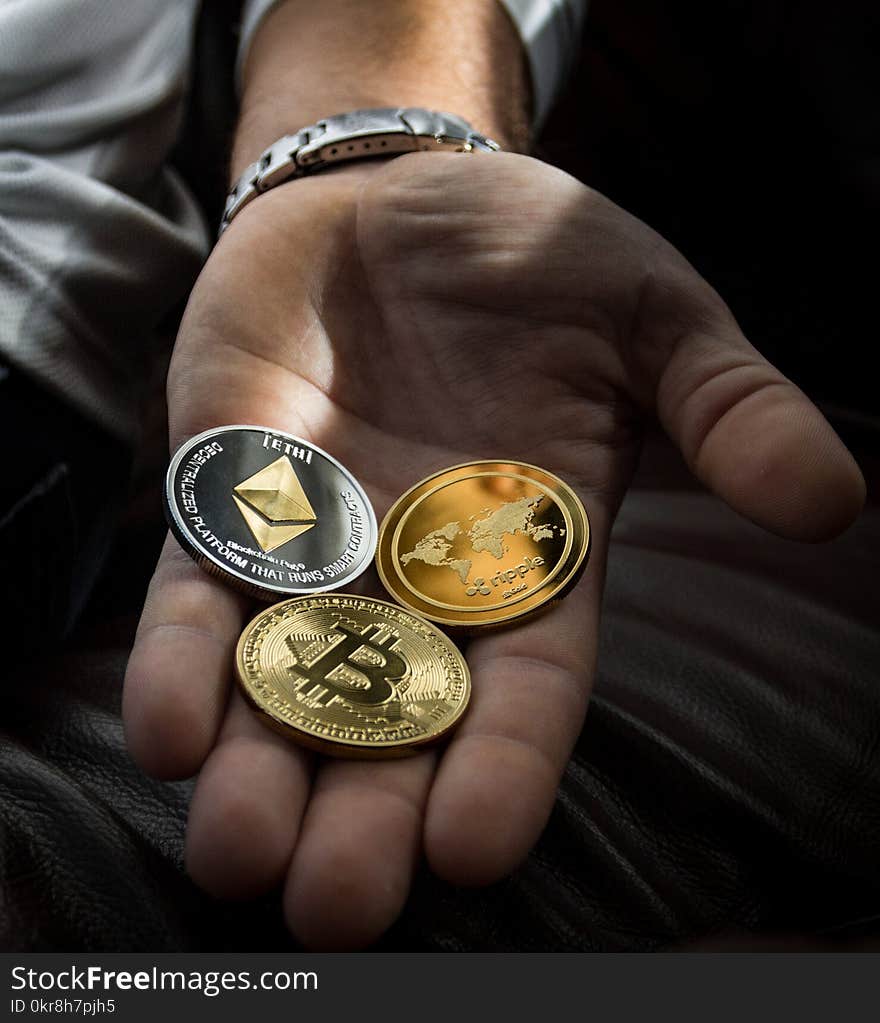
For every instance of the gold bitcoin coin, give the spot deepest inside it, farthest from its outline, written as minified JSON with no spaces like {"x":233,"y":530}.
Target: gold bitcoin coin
{"x":352,"y":677}
{"x":483,"y":544}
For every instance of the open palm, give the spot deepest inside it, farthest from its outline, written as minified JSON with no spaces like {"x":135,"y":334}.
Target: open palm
{"x":406,"y":317}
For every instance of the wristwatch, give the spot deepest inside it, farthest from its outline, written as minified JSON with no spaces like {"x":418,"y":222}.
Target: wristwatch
{"x":356,"y":135}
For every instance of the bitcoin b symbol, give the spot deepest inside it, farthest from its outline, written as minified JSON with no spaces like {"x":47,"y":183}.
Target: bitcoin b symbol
{"x":332,"y":670}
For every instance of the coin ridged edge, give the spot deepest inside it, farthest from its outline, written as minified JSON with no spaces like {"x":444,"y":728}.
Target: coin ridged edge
{"x":346,"y":749}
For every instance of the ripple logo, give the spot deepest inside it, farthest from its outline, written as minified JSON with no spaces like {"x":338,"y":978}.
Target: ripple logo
{"x":478,"y":586}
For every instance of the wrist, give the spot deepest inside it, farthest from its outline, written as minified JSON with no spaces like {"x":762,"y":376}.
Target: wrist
{"x":390,"y":54}
{"x":352,"y":136}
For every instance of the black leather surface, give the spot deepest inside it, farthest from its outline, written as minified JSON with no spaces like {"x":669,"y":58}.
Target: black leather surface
{"x":727,"y":779}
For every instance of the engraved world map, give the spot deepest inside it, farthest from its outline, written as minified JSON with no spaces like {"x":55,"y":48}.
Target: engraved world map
{"x":486,"y":535}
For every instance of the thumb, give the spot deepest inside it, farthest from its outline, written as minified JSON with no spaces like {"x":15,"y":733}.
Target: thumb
{"x":744,"y":429}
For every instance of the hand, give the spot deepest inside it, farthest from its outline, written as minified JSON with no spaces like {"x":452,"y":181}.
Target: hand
{"x":405,"y":317}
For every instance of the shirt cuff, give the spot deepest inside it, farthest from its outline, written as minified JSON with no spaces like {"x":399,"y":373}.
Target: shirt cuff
{"x":550,"y":31}
{"x":551,"y":35}
{"x":252,"y":16}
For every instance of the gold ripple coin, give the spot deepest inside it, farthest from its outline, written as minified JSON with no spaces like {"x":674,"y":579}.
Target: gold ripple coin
{"x":352,"y":677}
{"x":483,"y":544}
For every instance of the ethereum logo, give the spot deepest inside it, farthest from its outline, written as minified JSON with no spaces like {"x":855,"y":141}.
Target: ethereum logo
{"x":274,"y":505}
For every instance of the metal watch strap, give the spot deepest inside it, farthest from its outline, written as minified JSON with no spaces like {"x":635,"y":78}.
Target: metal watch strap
{"x":357,"y":135}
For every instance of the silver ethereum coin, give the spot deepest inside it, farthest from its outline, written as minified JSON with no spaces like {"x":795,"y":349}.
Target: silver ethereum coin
{"x":269,"y":513}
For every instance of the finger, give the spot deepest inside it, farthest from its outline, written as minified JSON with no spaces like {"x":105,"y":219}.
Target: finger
{"x":497,"y":780}
{"x":179,"y":670}
{"x":246,"y":811}
{"x":361,"y":839}
{"x":753,"y":437}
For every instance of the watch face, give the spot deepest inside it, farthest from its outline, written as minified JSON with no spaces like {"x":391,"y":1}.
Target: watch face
{"x":269,"y":513}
